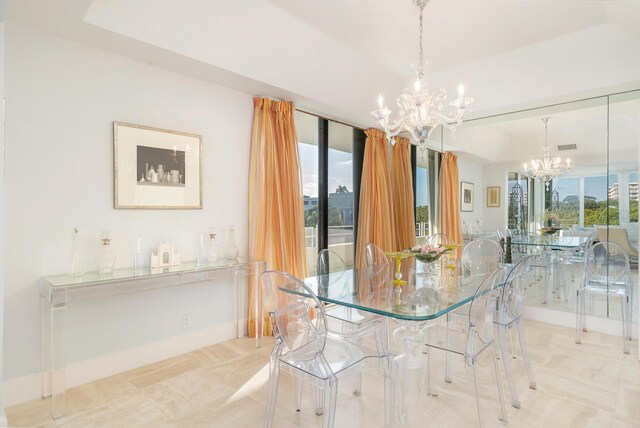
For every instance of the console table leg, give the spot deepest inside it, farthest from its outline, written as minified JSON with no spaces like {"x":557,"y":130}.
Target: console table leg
{"x":58,"y":320}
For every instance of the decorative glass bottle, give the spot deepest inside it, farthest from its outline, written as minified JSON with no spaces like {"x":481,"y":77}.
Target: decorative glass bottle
{"x":202,"y":253}
{"x":212,"y":254}
{"x":75,"y":269}
{"x":106,"y":259}
{"x":137,"y":256}
{"x":232,"y":249}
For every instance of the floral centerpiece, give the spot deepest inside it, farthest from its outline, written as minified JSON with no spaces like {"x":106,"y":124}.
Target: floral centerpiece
{"x":429,"y":253}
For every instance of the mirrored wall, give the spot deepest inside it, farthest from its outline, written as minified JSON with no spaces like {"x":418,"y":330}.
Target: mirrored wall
{"x":599,"y":193}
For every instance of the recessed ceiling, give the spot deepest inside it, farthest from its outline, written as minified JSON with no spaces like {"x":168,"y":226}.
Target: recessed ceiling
{"x":333,"y":57}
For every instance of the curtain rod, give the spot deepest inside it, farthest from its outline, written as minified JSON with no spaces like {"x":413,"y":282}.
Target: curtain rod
{"x":332,"y":120}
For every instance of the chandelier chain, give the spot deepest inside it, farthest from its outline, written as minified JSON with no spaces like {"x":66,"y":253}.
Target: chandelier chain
{"x":421,"y":4}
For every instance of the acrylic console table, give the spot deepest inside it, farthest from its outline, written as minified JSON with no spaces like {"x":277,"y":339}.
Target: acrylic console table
{"x":57,"y":291}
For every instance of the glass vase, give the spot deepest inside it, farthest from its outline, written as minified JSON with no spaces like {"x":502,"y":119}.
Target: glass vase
{"x":75,"y":268}
{"x":106,"y":258}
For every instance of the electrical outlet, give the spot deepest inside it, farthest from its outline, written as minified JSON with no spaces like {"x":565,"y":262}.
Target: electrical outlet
{"x":186,"y":321}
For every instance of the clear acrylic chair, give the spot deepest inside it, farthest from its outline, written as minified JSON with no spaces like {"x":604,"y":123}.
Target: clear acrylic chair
{"x":481,"y":256}
{"x":606,"y":271}
{"x":569,"y":261}
{"x":305,"y":347}
{"x":470,"y":336}
{"x":541,"y":259}
{"x":438,"y":239}
{"x":510,"y":313}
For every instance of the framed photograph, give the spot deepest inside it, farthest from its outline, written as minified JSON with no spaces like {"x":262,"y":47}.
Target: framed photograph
{"x":466,"y":196}
{"x":156,"y":168}
{"x":493,"y":196}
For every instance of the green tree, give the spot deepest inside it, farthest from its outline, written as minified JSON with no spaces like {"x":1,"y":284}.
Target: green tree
{"x":311,"y":217}
{"x":422,"y":214}
{"x":335,"y":217}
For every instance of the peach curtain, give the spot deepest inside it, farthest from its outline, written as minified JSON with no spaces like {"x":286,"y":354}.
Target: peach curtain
{"x":449,"y":198}
{"x":376,"y":215}
{"x":405,"y":223}
{"x":276,"y":213}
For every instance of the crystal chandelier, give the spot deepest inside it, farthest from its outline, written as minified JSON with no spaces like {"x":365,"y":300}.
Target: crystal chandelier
{"x":421,"y":110}
{"x":546,"y":168}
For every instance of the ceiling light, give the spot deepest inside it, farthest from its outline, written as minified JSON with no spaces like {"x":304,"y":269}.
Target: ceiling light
{"x":420,"y":109}
{"x":546,"y":168}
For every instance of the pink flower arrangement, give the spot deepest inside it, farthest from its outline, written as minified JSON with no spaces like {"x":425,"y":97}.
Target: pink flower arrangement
{"x":430,"y":253}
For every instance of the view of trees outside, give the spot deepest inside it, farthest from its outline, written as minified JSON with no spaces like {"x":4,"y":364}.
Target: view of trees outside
{"x":340,"y":175}
{"x":568,"y":192}
{"x":595,"y":201}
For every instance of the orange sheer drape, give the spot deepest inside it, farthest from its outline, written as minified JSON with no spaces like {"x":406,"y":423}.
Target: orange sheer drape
{"x":276,"y":219}
{"x":376,"y":216}
{"x":405,"y":223}
{"x":449,"y":197}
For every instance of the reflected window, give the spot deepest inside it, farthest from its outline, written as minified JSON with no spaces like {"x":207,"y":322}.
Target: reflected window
{"x":568,"y":209}
{"x":422,"y":202}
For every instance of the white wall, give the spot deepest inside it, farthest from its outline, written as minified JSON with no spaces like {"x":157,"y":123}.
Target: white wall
{"x":62,"y":100}
{"x":3,"y":420}
{"x":471,"y":172}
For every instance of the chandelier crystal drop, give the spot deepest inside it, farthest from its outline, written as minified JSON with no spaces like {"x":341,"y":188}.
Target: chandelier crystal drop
{"x":421,"y":110}
{"x":546,"y":168}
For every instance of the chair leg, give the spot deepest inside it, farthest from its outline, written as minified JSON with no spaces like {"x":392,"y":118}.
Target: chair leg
{"x":475,"y":385}
{"x":506,"y":361}
{"x":579,"y":305}
{"x":525,"y":352}
{"x":625,"y":333}
{"x":272,"y":393}
{"x":330,"y":398}
{"x":496,"y":370}
{"x":299,"y":383}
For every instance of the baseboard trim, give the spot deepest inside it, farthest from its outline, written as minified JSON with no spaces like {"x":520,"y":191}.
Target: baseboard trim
{"x":568,"y":319}
{"x":30,"y":387}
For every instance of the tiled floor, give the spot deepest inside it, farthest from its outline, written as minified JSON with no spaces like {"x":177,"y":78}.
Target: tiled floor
{"x":588,"y":385}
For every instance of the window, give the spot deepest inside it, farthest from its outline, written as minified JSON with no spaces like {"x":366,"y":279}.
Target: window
{"x":633,"y":197}
{"x":340,"y":189}
{"x":568,"y":189}
{"x":600,"y":198}
{"x":331,"y":163}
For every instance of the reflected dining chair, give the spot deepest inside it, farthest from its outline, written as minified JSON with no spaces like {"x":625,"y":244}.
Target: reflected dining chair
{"x":606,"y":271}
{"x":481,"y":256}
{"x":510,"y":312}
{"x":470,"y":336}
{"x":305,"y":347}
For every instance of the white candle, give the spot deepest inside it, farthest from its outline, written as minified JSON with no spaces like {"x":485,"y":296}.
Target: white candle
{"x":461,"y":90}
{"x":380,"y":101}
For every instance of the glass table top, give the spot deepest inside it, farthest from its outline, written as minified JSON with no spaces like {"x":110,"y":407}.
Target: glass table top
{"x":555,"y":242}
{"x":446,"y":290}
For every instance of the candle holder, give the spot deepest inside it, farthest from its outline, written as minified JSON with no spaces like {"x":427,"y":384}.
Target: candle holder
{"x":398,"y":282}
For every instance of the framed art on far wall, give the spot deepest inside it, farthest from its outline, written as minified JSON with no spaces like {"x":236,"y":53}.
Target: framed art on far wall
{"x":493,"y":196}
{"x":156,"y":168}
{"x":466,"y":196}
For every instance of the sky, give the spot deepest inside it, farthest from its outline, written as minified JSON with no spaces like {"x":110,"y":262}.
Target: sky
{"x":593,"y":186}
{"x":340,"y":169}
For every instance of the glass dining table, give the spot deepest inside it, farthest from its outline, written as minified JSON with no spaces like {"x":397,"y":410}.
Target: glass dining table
{"x":446,"y":289}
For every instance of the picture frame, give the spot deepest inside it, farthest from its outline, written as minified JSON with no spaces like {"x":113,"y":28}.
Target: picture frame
{"x":156,"y":168}
{"x":493,"y":197}
{"x":466,"y":196}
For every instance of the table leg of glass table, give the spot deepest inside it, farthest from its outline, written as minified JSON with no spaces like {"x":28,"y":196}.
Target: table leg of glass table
{"x":410,"y":371}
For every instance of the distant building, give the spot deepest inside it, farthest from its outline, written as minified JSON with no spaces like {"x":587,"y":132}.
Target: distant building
{"x":310,"y":202}
{"x":613,"y":192}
